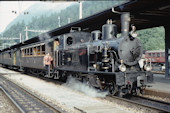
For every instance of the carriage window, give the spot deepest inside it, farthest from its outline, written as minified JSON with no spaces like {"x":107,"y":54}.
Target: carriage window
{"x":162,"y":54}
{"x":43,"y":50}
{"x":149,"y":54}
{"x":38,"y":50}
{"x":158,"y":55}
{"x":34,"y":51}
{"x":10,"y":55}
{"x":31,"y":51}
{"x":69,"y":40}
{"x":23,"y":52}
{"x":153,"y":54}
{"x":28,"y":52}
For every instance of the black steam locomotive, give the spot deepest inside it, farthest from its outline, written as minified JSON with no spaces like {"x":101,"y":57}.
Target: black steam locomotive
{"x":101,"y":59}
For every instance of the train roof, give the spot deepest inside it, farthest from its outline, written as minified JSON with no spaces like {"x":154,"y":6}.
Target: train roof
{"x":155,"y":51}
{"x":144,"y":14}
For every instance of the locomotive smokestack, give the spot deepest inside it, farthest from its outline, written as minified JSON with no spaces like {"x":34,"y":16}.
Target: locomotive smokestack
{"x":125,"y":19}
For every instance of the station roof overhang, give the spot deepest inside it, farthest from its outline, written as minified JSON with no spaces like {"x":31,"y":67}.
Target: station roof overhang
{"x":144,"y":14}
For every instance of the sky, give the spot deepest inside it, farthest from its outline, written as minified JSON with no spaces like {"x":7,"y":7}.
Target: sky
{"x":6,"y":8}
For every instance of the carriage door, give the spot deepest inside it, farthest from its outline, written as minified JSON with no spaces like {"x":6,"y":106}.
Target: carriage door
{"x":14,"y":59}
{"x":56,"y":52}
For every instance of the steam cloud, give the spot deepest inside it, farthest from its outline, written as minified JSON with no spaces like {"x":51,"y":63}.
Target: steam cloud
{"x":84,"y":88}
{"x":75,"y":84}
{"x":44,"y":36}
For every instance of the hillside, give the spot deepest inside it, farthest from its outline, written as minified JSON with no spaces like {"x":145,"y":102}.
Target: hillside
{"x":49,"y":20}
{"x":152,"y":39}
{"x":38,"y":9}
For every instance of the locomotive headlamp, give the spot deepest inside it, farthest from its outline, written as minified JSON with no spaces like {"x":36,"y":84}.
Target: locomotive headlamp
{"x":95,"y":66}
{"x":147,"y":67}
{"x":122,"y":67}
{"x":134,"y":35}
{"x":133,"y":31}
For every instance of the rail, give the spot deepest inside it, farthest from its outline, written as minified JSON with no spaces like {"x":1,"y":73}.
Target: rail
{"x":156,"y":104}
{"x":158,"y":72}
{"x":12,"y":100}
{"x":141,"y":103}
{"x":47,"y":106}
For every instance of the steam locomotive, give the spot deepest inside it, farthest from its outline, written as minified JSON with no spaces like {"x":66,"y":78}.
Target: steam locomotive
{"x":100,"y":59}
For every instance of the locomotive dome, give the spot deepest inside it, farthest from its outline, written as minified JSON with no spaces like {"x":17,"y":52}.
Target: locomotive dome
{"x":130,"y":51}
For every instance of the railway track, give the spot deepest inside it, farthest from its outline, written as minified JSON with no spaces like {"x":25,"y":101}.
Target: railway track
{"x":156,"y":104}
{"x":142,"y":104}
{"x":27,"y":101}
{"x":14,"y":106}
{"x":158,"y":72}
{"x":157,"y":93}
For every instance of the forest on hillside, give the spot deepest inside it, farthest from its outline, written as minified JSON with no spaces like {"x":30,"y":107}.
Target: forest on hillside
{"x":152,"y":39}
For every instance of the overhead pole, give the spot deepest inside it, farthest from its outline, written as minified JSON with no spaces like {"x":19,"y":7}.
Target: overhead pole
{"x":26,"y":29}
{"x":167,"y":51}
{"x":69,"y":20}
{"x":80,"y":9}
{"x":32,"y":30}
{"x":59,"y":21}
{"x":20,"y":36}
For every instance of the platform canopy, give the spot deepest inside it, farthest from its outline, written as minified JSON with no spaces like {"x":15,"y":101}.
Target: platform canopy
{"x":144,"y":14}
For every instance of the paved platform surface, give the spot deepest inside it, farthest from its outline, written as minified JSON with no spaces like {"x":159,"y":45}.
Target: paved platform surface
{"x":160,"y":83}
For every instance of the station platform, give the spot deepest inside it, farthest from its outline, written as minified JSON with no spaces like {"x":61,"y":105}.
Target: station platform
{"x":160,"y":86}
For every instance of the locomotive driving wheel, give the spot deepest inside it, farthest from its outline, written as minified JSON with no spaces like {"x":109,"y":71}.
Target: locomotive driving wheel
{"x":112,"y":88}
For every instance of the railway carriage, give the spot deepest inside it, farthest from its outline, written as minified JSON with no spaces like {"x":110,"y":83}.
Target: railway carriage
{"x":7,"y":58}
{"x":157,"y":57}
{"x":32,"y":56}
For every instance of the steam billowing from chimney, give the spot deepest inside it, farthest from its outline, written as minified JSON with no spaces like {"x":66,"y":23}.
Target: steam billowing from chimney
{"x":44,"y":36}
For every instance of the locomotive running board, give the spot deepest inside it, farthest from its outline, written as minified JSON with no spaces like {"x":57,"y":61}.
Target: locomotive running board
{"x":96,"y":72}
